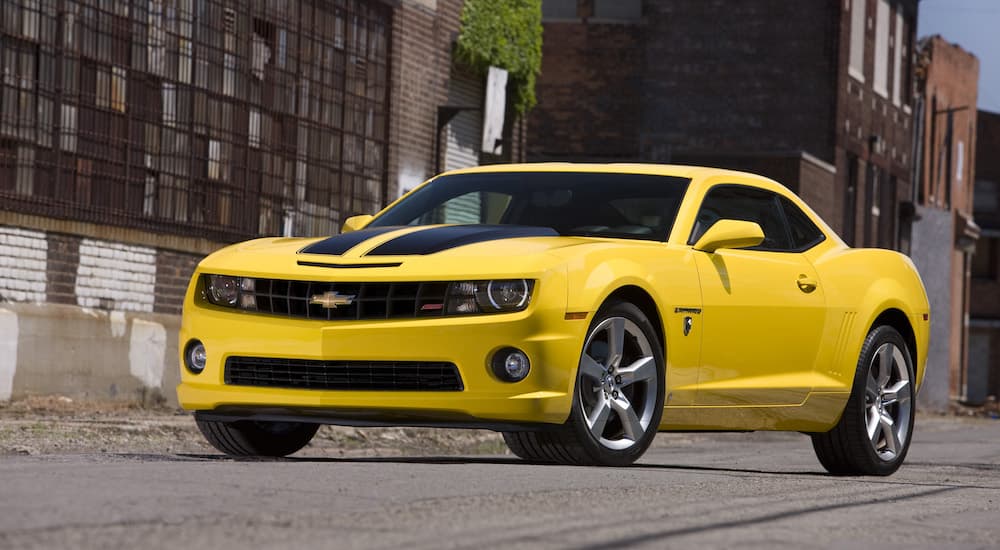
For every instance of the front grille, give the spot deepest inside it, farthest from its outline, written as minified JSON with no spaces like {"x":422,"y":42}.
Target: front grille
{"x":343,"y":375}
{"x":370,"y":300}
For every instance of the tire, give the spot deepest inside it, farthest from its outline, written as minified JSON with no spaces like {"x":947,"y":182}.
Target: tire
{"x":618,"y":400}
{"x":873,"y":434}
{"x":252,"y":438}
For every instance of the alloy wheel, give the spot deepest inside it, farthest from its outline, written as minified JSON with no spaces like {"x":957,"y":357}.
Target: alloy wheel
{"x":617,"y":383}
{"x":888,"y":399}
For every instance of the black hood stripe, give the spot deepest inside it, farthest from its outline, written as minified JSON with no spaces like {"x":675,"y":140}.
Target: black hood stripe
{"x":436,"y":239}
{"x":338,"y":244}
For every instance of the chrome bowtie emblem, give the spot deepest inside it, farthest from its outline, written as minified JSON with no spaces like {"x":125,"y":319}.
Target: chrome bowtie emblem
{"x":332,"y":299}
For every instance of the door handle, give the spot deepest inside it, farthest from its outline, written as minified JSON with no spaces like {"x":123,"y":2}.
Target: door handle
{"x":806,"y":284}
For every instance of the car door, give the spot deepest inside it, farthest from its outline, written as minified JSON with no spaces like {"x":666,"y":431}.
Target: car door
{"x":763,"y":308}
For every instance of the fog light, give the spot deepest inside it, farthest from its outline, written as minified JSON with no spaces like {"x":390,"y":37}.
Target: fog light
{"x":195,"y":357}
{"x":510,"y":364}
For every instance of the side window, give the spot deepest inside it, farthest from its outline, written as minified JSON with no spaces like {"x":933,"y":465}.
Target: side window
{"x":804,"y":232}
{"x":738,"y":202}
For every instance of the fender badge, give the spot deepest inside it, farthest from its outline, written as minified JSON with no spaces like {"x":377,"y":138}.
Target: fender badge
{"x":688,"y":323}
{"x":332,"y":299}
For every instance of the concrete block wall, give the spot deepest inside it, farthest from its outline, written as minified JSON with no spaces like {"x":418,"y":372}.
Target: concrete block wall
{"x":85,"y":353}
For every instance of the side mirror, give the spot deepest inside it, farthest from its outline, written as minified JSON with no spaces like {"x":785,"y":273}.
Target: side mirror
{"x":730,"y":234}
{"x":356,"y":222}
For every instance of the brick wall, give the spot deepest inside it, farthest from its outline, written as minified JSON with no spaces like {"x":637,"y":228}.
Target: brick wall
{"x":951,"y":85}
{"x":948,"y":82}
{"x":691,"y":78}
{"x":721,"y":82}
{"x":740,"y":76}
{"x":173,"y":272}
{"x":984,"y":310}
{"x":875,"y":131}
{"x":115,"y":276}
{"x":64,"y":259}
{"x":589,"y":93}
{"x":23,"y":265}
{"x":988,"y":167}
{"x":423,"y":34}
{"x":49,"y":267}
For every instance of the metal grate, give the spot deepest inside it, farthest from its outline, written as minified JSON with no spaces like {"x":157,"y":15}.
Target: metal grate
{"x":191,"y":118}
{"x":303,"y":299}
{"x":343,"y":375}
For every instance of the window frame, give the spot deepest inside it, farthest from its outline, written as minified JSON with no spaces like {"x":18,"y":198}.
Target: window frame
{"x":777,"y":198}
{"x":856,"y":43}
{"x":880,"y":70}
{"x":787,"y":203}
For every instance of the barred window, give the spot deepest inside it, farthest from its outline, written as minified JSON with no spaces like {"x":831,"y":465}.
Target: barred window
{"x":219,"y":118}
{"x":67,"y":128}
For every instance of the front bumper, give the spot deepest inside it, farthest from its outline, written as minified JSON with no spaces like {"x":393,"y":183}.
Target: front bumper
{"x":552,"y":343}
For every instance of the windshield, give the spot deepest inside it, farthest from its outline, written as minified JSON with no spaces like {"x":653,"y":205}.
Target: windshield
{"x":632,"y":206}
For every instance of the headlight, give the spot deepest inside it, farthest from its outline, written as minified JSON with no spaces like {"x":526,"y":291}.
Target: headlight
{"x":497,"y":296}
{"x":223,"y":290}
{"x":502,"y":295}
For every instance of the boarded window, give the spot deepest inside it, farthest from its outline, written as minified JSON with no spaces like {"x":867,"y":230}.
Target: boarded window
{"x":858,"y":17}
{"x":881,"y":79}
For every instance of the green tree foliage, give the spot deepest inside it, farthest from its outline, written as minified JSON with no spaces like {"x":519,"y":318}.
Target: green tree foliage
{"x":505,"y":34}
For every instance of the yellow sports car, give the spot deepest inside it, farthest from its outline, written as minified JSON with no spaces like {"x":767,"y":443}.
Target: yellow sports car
{"x":578,"y":309}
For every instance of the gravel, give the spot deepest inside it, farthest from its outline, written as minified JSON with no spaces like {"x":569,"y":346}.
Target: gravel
{"x":57,"y":424}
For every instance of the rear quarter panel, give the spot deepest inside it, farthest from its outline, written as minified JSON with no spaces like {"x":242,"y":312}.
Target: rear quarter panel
{"x":860,"y":285}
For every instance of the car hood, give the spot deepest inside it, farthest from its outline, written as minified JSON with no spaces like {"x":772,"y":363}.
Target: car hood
{"x":441,"y":251}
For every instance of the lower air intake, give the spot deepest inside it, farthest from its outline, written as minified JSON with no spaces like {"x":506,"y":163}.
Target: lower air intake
{"x":343,"y":375}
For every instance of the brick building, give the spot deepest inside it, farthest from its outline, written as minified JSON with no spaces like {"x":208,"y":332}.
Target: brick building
{"x":817,"y":96}
{"x":944,"y":233}
{"x":181,"y":125}
{"x":984,"y":325}
{"x":136,"y":136}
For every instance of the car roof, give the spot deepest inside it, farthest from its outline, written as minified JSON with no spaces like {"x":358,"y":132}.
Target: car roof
{"x":677,"y":170}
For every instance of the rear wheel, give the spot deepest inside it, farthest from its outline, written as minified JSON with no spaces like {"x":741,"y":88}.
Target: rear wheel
{"x":873,"y":434}
{"x":618,"y":400}
{"x":252,"y":438}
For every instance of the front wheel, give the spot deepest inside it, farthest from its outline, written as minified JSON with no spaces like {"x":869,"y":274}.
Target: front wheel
{"x":873,"y":434}
{"x":252,"y":438}
{"x":618,"y":400}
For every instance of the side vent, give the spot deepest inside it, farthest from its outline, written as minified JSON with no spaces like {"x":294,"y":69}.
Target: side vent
{"x":840,"y":348}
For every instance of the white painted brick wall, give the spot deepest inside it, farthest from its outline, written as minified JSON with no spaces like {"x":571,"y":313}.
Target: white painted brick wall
{"x":23,"y":264}
{"x":111,"y":271}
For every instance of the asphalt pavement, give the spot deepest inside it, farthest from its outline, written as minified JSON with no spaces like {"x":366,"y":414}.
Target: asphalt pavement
{"x":761,"y":490}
